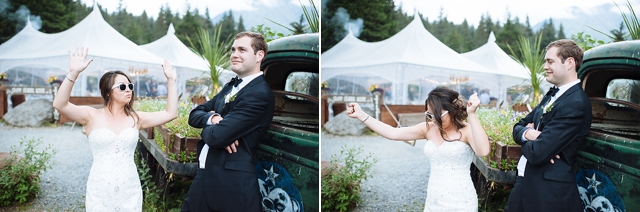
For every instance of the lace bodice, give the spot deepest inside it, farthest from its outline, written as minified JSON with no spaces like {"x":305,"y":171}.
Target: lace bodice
{"x":113,"y":183}
{"x":450,"y":187}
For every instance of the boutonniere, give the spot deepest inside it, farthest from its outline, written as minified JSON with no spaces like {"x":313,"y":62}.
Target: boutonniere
{"x":548,"y":107}
{"x":230,"y":98}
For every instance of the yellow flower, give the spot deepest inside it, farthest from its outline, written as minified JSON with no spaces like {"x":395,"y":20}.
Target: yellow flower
{"x":3,"y":75}
{"x":324,"y":85}
{"x":52,"y":79}
{"x":373,"y":87}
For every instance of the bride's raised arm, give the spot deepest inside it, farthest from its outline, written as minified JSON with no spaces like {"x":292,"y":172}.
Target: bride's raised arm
{"x":401,"y":134}
{"x":77,"y":64}
{"x":171,"y":112}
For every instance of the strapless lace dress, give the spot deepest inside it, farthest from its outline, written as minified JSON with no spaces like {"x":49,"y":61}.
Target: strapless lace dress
{"x":114,"y":184}
{"x":450,"y":187}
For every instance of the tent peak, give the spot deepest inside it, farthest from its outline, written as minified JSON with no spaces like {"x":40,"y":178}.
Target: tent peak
{"x":28,"y":22}
{"x":492,"y":38}
{"x":171,"y":30}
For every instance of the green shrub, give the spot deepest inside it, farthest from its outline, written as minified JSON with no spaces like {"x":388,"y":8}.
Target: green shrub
{"x":498,"y":123}
{"x":20,"y":178}
{"x":165,"y":198}
{"x":341,"y":184}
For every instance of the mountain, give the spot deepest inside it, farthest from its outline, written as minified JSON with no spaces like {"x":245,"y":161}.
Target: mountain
{"x":603,"y":18}
{"x":282,"y":11}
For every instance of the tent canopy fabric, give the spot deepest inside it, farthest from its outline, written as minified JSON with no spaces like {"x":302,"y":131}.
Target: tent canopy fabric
{"x":109,"y":49}
{"x":412,"y":56}
{"x":491,"y":56}
{"x":172,"y":49}
{"x":187,"y":63}
{"x":412,"y":46}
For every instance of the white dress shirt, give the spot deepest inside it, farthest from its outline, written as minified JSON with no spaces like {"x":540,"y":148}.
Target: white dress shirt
{"x":523,"y":160}
{"x":234,"y":90}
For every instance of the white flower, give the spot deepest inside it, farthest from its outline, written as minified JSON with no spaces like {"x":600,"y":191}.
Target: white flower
{"x":229,"y":98}
{"x":548,"y":107}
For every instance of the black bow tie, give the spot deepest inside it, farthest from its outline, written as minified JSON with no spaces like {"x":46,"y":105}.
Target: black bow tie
{"x":235,"y":82}
{"x":552,"y":91}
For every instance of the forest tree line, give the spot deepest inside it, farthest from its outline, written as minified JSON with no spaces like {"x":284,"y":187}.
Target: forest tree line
{"x":382,"y":19}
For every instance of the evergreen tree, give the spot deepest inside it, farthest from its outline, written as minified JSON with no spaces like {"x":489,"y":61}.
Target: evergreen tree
{"x":208,"y":24}
{"x":561,"y":33}
{"x":509,"y":35}
{"x":241,"y":27}
{"x":527,"y":31}
{"x":299,"y":27}
{"x":401,"y":18}
{"x":188,"y":27}
{"x":482,"y":32}
{"x":377,"y":15}
{"x":548,"y":33}
{"x":618,"y":34}
{"x":55,"y":16}
{"x":228,"y":23}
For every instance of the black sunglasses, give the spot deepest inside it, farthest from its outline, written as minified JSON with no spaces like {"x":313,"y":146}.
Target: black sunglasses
{"x":123,"y":86}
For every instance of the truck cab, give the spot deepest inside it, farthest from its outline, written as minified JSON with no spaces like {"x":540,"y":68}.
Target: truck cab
{"x":287,"y":158}
{"x":608,"y":164}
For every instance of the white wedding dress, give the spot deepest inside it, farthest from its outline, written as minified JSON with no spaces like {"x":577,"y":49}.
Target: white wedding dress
{"x":450,"y":187}
{"x":114,"y":184}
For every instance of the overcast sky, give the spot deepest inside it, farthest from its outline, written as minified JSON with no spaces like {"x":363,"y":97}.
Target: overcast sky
{"x":537,"y":10}
{"x":215,"y":6}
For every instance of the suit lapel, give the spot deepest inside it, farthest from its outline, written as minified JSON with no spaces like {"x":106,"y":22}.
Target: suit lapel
{"x":229,"y":106}
{"x":540,"y":111}
{"x":565,"y":95}
{"x":220,"y":104}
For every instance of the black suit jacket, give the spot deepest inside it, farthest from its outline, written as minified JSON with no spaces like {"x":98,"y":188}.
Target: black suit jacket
{"x":229,"y":181}
{"x":546,"y":186}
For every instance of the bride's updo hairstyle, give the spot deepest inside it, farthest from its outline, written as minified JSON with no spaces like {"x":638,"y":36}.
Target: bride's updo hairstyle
{"x":106,"y":82}
{"x":443,"y":98}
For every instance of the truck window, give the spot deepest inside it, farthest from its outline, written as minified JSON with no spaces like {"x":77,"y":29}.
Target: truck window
{"x":625,"y":90}
{"x":303,"y":83}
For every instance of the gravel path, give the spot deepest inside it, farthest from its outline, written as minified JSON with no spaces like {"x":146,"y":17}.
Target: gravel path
{"x":399,"y":181}
{"x":63,"y":186}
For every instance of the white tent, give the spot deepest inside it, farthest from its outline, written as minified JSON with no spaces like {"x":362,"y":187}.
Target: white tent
{"x":187,"y":64}
{"x":109,"y":50}
{"x":180,"y":56}
{"x":491,"y":56}
{"x":412,"y":56}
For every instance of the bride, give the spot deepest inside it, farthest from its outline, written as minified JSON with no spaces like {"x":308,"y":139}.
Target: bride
{"x":113,"y":183}
{"x":451,"y":144}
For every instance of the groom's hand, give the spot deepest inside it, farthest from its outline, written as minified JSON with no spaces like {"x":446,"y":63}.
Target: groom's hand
{"x":557,"y":156}
{"x":232,"y":147}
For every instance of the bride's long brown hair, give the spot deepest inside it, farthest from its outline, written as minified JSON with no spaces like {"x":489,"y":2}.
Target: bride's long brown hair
{"x":443,"y":98}
{"x":106,"y":81}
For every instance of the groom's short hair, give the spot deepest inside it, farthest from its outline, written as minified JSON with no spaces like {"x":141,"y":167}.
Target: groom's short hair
{"x":257,"y":42}
{"x":566,"y":49}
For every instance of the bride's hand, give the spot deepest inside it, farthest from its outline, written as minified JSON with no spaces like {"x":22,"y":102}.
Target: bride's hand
{"x":77,"y":62}
{"x":169,"y":71}
{"x":354,"y":111}
{"x":472,"y":104}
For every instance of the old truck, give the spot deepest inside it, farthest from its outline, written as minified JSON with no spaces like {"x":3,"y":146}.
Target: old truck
{"x":287,"y":159}
{"x":608,"y":164}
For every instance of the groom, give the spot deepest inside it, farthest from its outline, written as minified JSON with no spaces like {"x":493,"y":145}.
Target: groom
{"x":241,"y":112}
{"x":550,"y":137}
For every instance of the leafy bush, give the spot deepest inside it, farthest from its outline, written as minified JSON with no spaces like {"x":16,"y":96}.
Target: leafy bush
{"x":341,"y":184}
{"x":20,"y":178}
{"x":158,"y":199}
{"x":498,"y":123}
